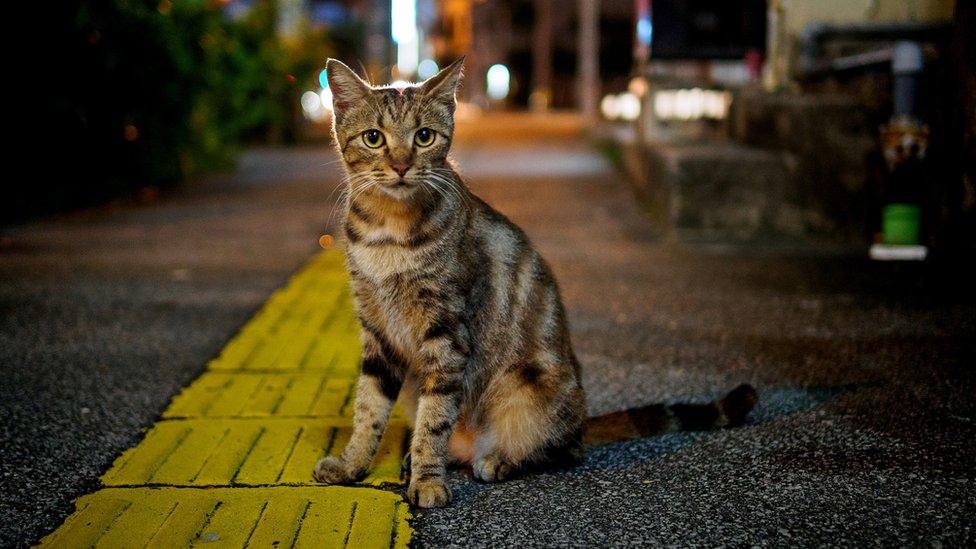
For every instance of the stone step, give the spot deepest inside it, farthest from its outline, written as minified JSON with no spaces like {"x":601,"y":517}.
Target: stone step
{"x":721,"y":191}
{"x":832,"y":138}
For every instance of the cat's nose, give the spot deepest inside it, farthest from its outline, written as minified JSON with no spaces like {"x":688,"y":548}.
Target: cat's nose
{"x":400,"y":168}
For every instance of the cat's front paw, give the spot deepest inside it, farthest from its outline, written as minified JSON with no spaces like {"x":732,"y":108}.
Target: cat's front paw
{"x":332,"y":470}
{"x":491,"y":469}
{"x":432,"y":492}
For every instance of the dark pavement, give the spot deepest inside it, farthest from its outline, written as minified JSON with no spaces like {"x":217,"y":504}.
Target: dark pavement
{"x":106,"y":314}
{"x":864,"y":434}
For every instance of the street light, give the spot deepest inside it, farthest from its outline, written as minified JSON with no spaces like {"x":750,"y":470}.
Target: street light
{"x":403,"y":16}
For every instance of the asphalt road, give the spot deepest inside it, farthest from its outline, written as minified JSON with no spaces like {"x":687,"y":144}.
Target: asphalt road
{"x":106,"y":314}
{"x":864,"y":434}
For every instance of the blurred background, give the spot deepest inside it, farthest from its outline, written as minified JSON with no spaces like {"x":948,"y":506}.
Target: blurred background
{"x":797,"y":118}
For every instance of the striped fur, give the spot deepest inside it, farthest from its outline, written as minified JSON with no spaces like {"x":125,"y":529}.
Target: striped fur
{"x":461,"y":317}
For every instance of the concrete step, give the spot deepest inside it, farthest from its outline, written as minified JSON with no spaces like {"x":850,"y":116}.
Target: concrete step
{"x":721,"y":191}
{"x":831,"y":137}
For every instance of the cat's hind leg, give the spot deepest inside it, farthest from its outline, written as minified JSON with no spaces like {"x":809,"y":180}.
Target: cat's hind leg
{"x":532,"y":417}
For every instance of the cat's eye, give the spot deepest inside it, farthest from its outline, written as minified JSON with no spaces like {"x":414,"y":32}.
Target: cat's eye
{"x":424,"y":137}
{"x":373,"y":138}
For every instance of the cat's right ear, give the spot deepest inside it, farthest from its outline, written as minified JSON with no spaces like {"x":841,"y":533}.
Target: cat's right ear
{"x":443,"y":85}
{"x":347,"y":87}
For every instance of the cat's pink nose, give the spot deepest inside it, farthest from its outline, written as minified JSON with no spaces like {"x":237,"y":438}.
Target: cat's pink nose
{"x":400,"y":168}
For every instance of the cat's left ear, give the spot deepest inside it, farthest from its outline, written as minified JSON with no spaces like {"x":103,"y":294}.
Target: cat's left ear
{"x":347,"y":87}
{"x":443,"y":85}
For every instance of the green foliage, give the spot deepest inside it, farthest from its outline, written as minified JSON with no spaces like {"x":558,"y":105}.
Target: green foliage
{"x":138,"y":93}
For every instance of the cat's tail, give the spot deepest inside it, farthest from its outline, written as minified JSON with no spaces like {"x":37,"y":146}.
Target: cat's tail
{"x":654,"y":419}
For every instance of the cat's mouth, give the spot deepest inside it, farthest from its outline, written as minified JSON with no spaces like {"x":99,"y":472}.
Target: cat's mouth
{"x":399,"y":188}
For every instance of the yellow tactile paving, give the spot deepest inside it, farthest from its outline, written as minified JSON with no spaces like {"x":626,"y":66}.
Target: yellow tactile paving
{"x":250,"y":394}
{"x":247,"y":452}
{"x":222,"y":394}
{"x":307,"y":326}
{"x":230,"y":462}
{"x":236,"y":517}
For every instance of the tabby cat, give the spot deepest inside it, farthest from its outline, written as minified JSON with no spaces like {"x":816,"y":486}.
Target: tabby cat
{"x":461,"y":317}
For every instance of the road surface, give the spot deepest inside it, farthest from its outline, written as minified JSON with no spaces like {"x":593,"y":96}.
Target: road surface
{"x":864,"y":433}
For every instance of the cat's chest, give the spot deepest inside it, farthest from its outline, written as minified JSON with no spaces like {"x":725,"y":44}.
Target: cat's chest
{"x":377,"y":253}
{"x":396,"y":309}
{"x":380,"y":263}
{"x":390,"y":284}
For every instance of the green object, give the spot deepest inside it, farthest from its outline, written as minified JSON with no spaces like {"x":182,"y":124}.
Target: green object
{"x":901,"y":224}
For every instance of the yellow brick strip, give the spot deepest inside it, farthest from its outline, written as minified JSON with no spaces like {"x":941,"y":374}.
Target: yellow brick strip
{"x":230,"y":462}
{"x":236,"y":517}
{"x":245,"y":452}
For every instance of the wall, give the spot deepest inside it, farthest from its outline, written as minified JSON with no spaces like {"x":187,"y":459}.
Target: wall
{"x":799,"y":13}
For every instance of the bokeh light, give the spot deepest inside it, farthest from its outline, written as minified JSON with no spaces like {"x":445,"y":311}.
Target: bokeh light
{"x":628,"y":106}
{"x":498,"y":81}
{"x":608,"y":106}
{"x":310,"y":102}
{"x":317,"y":105}
{"x":691,"y":104}
{"x":325,"y":95}
{"x":426,"y":69}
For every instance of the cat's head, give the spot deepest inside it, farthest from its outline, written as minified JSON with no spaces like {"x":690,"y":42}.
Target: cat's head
{"x":393,"y":139}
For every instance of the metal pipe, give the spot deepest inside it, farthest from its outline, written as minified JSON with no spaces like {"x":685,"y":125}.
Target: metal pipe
{"x":907,"y":64}
{"x":811,"y":39}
